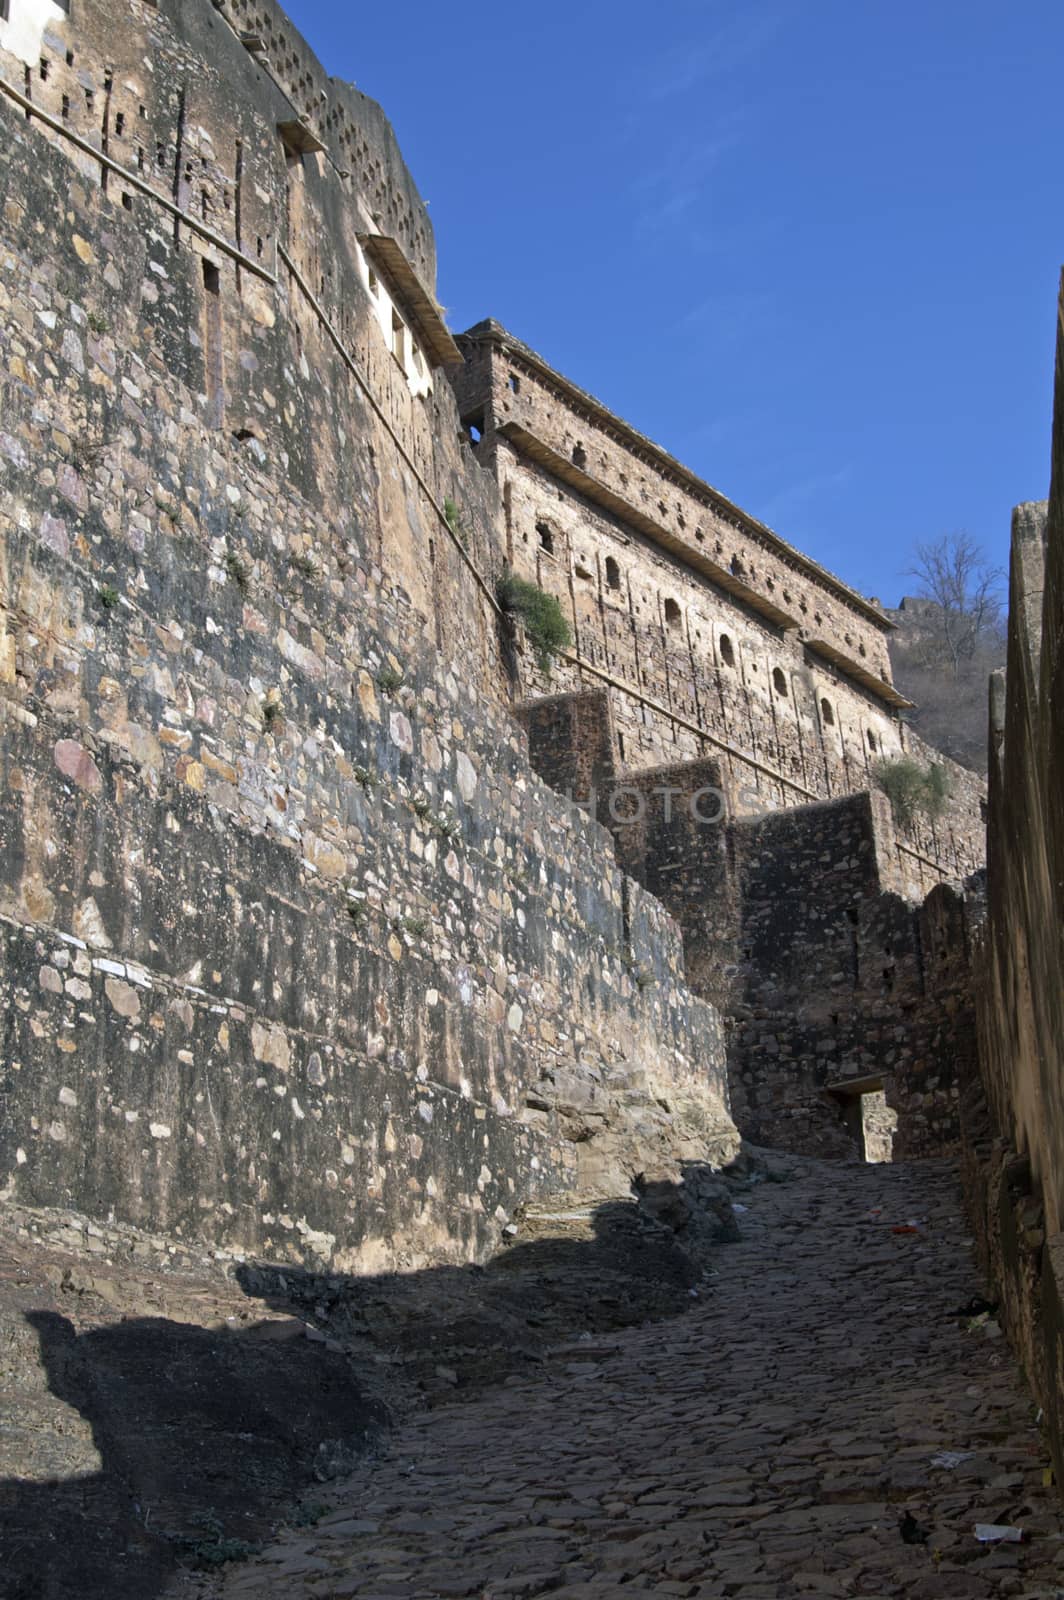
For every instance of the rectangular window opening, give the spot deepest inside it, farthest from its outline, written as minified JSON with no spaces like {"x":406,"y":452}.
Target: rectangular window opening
{"x":399,"y":338}
{"x":213,"y":359}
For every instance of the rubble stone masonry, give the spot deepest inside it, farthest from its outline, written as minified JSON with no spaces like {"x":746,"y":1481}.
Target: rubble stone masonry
{"x":712,"y":636}
{"x":298,"y":956}
{"x":1013,"y":1111}
{"x":305,"y":951}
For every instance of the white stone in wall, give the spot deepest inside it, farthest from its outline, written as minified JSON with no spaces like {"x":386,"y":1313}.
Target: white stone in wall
{"x":22,"y":35}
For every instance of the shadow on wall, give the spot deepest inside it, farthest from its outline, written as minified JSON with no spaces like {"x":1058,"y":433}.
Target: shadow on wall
{"x":207,"y":1438}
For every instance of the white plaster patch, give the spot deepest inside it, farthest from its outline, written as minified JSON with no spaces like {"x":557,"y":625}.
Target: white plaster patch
{"x":465,"y":776}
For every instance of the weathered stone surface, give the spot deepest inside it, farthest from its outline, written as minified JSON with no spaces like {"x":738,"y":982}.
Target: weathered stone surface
{"x":1013,"y":1108}
{"x":693,"y":620}
{"x":324,"y":944}
{"x":770,"y":1443}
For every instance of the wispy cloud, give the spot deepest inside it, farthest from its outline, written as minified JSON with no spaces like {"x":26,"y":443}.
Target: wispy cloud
{"x":789,"y":501}
{"x":731,"y":44}
{"x":725,"y":317}
{"x":675,"y":189}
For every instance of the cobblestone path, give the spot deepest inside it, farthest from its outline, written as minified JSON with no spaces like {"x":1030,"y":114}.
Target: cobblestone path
{"x":770,"y":1444}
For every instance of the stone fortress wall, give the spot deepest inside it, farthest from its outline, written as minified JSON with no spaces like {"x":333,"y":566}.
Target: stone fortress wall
{"x":299,"y":956}
{"x":801,"y":928}
{"x":714,"y":637}
{"x":301,"y":953}
{"x":1013,"y":1106}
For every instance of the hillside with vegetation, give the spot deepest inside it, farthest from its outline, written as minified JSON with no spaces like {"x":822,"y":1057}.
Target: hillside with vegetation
{"x":951,"y":636}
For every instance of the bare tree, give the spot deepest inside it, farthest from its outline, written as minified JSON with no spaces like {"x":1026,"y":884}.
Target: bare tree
{"x":965,"y":591}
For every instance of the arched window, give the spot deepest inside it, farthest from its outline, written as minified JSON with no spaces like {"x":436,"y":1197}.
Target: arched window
{"x":727,"y":651}
{"x":827,"y":713}
{"x":546,"y":538}
{"x":579,"y":456}
{"x":613,"y":573}
{"x":779,"y":682}
{"x":672,"y":614}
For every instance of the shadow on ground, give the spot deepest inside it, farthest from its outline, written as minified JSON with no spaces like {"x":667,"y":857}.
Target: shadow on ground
{"x":139,"y":1444}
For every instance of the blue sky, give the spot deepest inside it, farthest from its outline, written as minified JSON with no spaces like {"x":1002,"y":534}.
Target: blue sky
{"x":810,"y":246}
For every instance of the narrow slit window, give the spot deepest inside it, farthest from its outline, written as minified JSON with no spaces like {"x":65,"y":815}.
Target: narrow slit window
{"x":213,"y":345}
{"x":727,"y":651}
{"x":872,"y":741}
{"x":672,"y":614}
{"x":827,"y":713}
{"x":399,"y":338}
{"x":779,"y":682}
{"x":613,"y":574}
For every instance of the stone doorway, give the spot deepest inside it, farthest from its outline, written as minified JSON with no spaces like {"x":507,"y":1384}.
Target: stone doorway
{"x":867,"y":1117}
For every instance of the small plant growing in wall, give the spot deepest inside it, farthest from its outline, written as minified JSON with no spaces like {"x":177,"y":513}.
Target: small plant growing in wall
{"x":913,"y":789}
{"x":97,"y":324}
{"x":447,"y":825}
{"x":545,"y":624}
{"x":107,"y":596}
{"x":238,"y":570}
{"x":363,"y":777}
{"x":455,"y":520}
{"x":86,"y":455}
{"x":306,"y":565}
{"x":390,"y":679}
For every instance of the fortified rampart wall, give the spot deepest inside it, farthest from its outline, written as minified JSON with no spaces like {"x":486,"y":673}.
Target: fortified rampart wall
{"x":1013,"y":1111}
{"x":802,"y":928}
{"x":714,"y":638}
{"x":302,"y":955}
{"x":299,"y":955}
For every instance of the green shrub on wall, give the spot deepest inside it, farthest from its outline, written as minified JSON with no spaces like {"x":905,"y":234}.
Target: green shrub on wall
{"x":546,"y":627}
{"x":913,"y":790}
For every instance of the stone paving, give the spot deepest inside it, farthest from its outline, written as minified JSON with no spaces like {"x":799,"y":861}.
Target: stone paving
{"x":823,"y":1423}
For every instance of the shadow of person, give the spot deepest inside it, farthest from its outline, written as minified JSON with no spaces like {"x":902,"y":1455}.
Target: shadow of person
{"x":204,"y":1438}
{"x":202,"y":1435}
